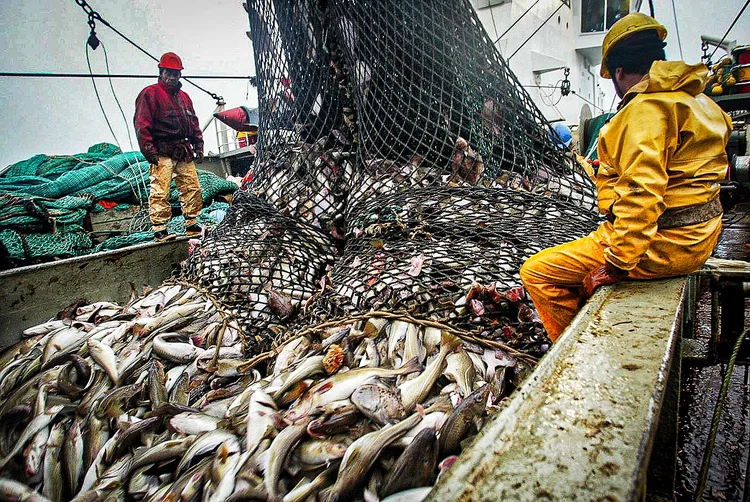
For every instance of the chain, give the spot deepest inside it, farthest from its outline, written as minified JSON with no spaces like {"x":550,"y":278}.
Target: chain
{"x":93,"y":16}
{"x":705,"y":57}
{"x":565,"y":85}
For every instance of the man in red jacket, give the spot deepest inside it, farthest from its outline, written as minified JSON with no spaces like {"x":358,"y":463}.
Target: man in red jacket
{"x":170,"y":137}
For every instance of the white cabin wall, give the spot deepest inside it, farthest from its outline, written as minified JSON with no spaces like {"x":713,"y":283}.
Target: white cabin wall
{"x":553,"y":45}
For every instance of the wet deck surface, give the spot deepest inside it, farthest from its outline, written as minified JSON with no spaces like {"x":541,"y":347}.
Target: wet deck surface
{"x":701,"y":384}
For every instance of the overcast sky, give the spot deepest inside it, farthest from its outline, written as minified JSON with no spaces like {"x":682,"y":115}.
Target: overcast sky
{"x":62,"y":116}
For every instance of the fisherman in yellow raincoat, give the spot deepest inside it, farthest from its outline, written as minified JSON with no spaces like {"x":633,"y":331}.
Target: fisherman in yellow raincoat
{"x":661,"y":157}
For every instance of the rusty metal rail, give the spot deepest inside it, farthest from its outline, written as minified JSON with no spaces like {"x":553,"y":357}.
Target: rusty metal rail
{"x":584,"y":425}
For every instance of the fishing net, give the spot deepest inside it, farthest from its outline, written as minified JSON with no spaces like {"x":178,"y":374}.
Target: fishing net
{"x":45,"y":198}
{"x":397,"y":132}
{"x":261,"y":265}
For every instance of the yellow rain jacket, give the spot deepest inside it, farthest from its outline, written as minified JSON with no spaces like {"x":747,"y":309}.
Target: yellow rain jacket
{"x":665,"y":148}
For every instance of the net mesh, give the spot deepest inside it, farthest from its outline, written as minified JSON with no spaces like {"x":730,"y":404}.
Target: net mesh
{"x":396,"y":136}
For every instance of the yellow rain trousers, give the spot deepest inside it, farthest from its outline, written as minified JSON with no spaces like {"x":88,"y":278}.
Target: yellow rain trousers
{"x":186,"y":179}
{"x":664,"y":149}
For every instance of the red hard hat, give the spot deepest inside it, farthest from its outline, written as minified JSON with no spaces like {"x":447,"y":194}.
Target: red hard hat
{"x":171,"y":60}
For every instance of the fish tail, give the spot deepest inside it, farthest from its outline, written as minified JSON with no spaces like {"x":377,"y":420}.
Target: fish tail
{"x":412,"y":366}
{"x":451,"y":342}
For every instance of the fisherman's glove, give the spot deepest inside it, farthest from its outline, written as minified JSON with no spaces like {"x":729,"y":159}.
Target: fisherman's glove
{"x":199,"y":157}
{"x":153,"y":158}
{"x":602,"y":276}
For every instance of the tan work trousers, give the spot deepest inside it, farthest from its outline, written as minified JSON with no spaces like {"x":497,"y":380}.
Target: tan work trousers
{"x":186,"y":179}
{"x":553,"y":278}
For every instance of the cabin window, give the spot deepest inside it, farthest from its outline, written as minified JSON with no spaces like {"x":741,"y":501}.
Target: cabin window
{"x":600,"y":15}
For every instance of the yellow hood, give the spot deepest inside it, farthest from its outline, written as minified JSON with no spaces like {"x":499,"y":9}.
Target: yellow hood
{"x":667,"y":76}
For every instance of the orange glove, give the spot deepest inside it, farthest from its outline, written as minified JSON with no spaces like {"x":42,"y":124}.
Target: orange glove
{"x":602,"y":276}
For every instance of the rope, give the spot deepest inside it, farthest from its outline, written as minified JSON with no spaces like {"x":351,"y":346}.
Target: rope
{"x":465,"y":335}
{"x":94,"y":16}
{"x":537,"y":30}
{"x":514,"y":22}
{"x":114,"y":95}
{"x":715,"y":422}
{"x":729,"y":29}
{"x":249,"y":78}
{"x":98,"y":98}
{"x":217,"y":305}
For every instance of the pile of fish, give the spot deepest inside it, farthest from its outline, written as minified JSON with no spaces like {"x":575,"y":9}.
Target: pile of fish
{"x":157,"y":401}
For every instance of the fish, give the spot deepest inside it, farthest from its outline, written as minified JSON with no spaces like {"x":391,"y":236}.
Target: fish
{"x":73,"y":455}
{"x":177,"y":352}
{"x":314,"y":453}
{"x":281,"y":447}
{"x":379,"y":402}
{"x":13,"y":490}
{"x":166,"y":450}
{"x":414,"y":391}
{"x":415,"y":467}
{"x":460,"y":369}
{"x":290,"y":352}
{"x":34,"y":455}
{"x":413,"y":495}
{"x":334,"y":422}
{"x":342,"y":385}
{"x":303,"y":491}
{"x":105,"y":358}
{"x":262,"y":419}
{"x":53,"y":478}
{"x":459,"y":421}
{"x":412,"y":345}
{"x":226,"y":483}
{"x":363,"y":453}
{"x":208,"y":441}
{"x":396,"y":340}
{"x":308,"y":366}
{"x":60,"y":340}
{"x":168,"y":315}
{"x":191,"y":424}
{"x":37,"y":424}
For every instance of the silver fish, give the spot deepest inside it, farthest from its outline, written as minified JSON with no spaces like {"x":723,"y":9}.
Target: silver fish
{"x":178,"y":352}
{"x":414,"y":391}
{"x":280,"y":449}
{"x":342,"y":385}
{"x":53,"y":480}
{"x":304,"y":491}
{"x":290,"y":352}
{"x":13,"y":490}
{"x":166,"y":450}
{"x":34,"y":455}
{"x":73,"y":455}
{"x":306,"y":368}
{"x":460,"y":369}
{"x":37,"y":423}
{"x":412,"y":345}
{"x":262,"y":419}
{"x":313,"y":453}
{"x":206,"y":442}
{"x":363,"y":453}
{"x":193,"y":423}
{"x":104,"y":357}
